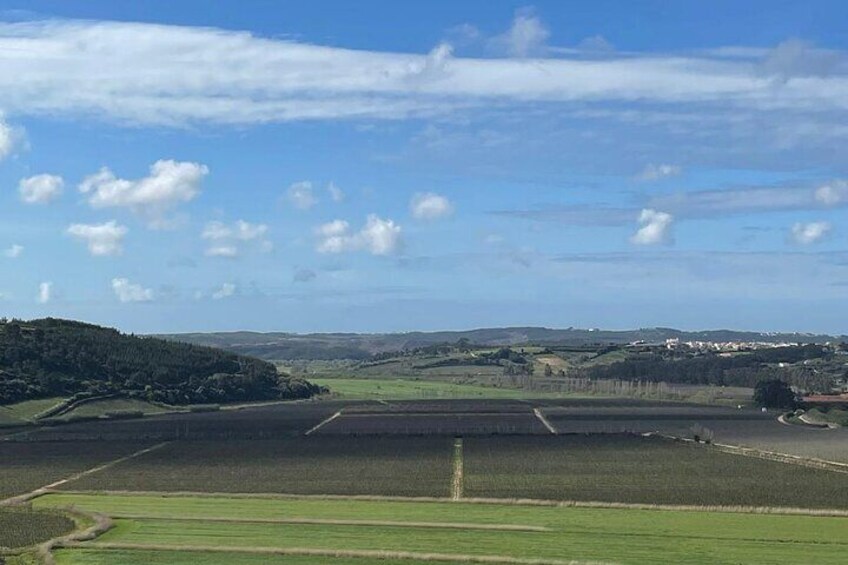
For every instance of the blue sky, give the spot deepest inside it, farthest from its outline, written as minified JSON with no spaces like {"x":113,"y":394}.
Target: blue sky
{"x":390,"y":166}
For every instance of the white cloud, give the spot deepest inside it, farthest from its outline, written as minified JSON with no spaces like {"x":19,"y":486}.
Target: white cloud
{"x":169,"y":184}
{"x":378,"y":237}
{"x":653,"y":172}
{"x":806,"y":234}
{"x":832,"y":193}
{"x":430,"y":206}
{"x":172,"y":75}
{"x":526,"y":36}
{"x":228,"y":240}
{"x":655,"y":227}
{"x":129,"y":292}
{"x":226,"y":290}
{"x":336,"y":194}
{"x":8,"y":138}
{"x":14,"y":251}
{"x":102,"y":239}
{"x":45,"y":292}
{"x":301,"y":196}
{"x":40,"y":189}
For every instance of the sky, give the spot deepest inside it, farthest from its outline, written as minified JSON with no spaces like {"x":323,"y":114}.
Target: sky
{"x":381,"y":166}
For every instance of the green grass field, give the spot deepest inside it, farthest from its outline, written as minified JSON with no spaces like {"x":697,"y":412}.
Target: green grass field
{"x":463,"y":530}
{"x":140,"y":557}
{"x":411,"y":389}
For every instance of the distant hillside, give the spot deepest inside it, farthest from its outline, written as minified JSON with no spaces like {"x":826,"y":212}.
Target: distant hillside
{"x":51,"y":357}
{"x":281,"y":346}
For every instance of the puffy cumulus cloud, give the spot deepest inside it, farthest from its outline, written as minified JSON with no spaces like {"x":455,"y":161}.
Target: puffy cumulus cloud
{"x":806,"y":234}
{"x":301,"y":196}
{"x":653,"y":172}
{"x":833,"y":193}
{"x":45,"y":293}
{"x":430,"y":206}
{"x":40,"y":189}
{"x":13,"y":251}
{"x":378,"y":237}
{"x":169,"y":184}
{"x":226,"y":290}
{"x":129,"y":292}
{"x":336,"y":194}
{"x":525,"y":37}
{"x":655,"y":227}
{"x":228,"y":240}
{"x":102,"y":239}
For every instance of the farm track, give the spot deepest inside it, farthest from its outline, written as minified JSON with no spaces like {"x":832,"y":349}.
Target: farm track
{"x":779,"y":510}
{"x":809,"y":462}
{"x":457,"y":479}
{"x":545,"y":422}
{"x":370,"y":554}
{"x":323,"y":423}
{"x":47,"y":488}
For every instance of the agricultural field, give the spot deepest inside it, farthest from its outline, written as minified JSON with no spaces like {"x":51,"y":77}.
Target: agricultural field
{"x":646,"y":470}
{"x":23,"y":527}
{"x":329,"y":465}
{"x":26,"y":466}
{"x":446,"y":423}
{"x":400,"y":389}
{"x":338,"y":530}
{"x":252,"y":422}
{"x":353,"y":481}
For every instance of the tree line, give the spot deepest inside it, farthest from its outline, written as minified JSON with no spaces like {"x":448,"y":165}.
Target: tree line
{"x":53,"y":357}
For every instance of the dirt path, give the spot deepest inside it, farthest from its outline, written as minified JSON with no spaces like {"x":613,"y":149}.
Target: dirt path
{"x":323,"y":423}
{"x":46,"y":488}
{"x":544,"y":421}
{"x":457,"y":482}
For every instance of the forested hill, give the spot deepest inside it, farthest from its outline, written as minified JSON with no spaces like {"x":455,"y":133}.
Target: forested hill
{"x":362,"y":346}
{"x":51,"y":357}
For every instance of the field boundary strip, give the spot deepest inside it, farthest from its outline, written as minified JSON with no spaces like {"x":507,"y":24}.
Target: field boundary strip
{"x":545,"y":422}
{"x":364,"y":553}
{"x":338,"y":522}
{"x":323,"y":423}
{"x":780,"y":510}
{"x":457,"y":479}
{"x":809,"y":462}
{"x":102,"y":467}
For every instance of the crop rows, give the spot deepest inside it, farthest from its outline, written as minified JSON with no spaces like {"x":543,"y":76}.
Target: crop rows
{"x":21,"y":527}
{"x":634,"y":469}
{"x":326,"y":465}
{"x":26,"y":466}
{"x":435,"y":424}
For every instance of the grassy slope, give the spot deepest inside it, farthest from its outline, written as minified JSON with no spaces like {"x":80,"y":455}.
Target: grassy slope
{"x":23,"y":412}
{"x":619,"y":535}
{"x":101,"y":407}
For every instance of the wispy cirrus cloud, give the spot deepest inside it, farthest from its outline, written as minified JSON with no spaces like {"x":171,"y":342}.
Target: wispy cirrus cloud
{"x":177,"y":75}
